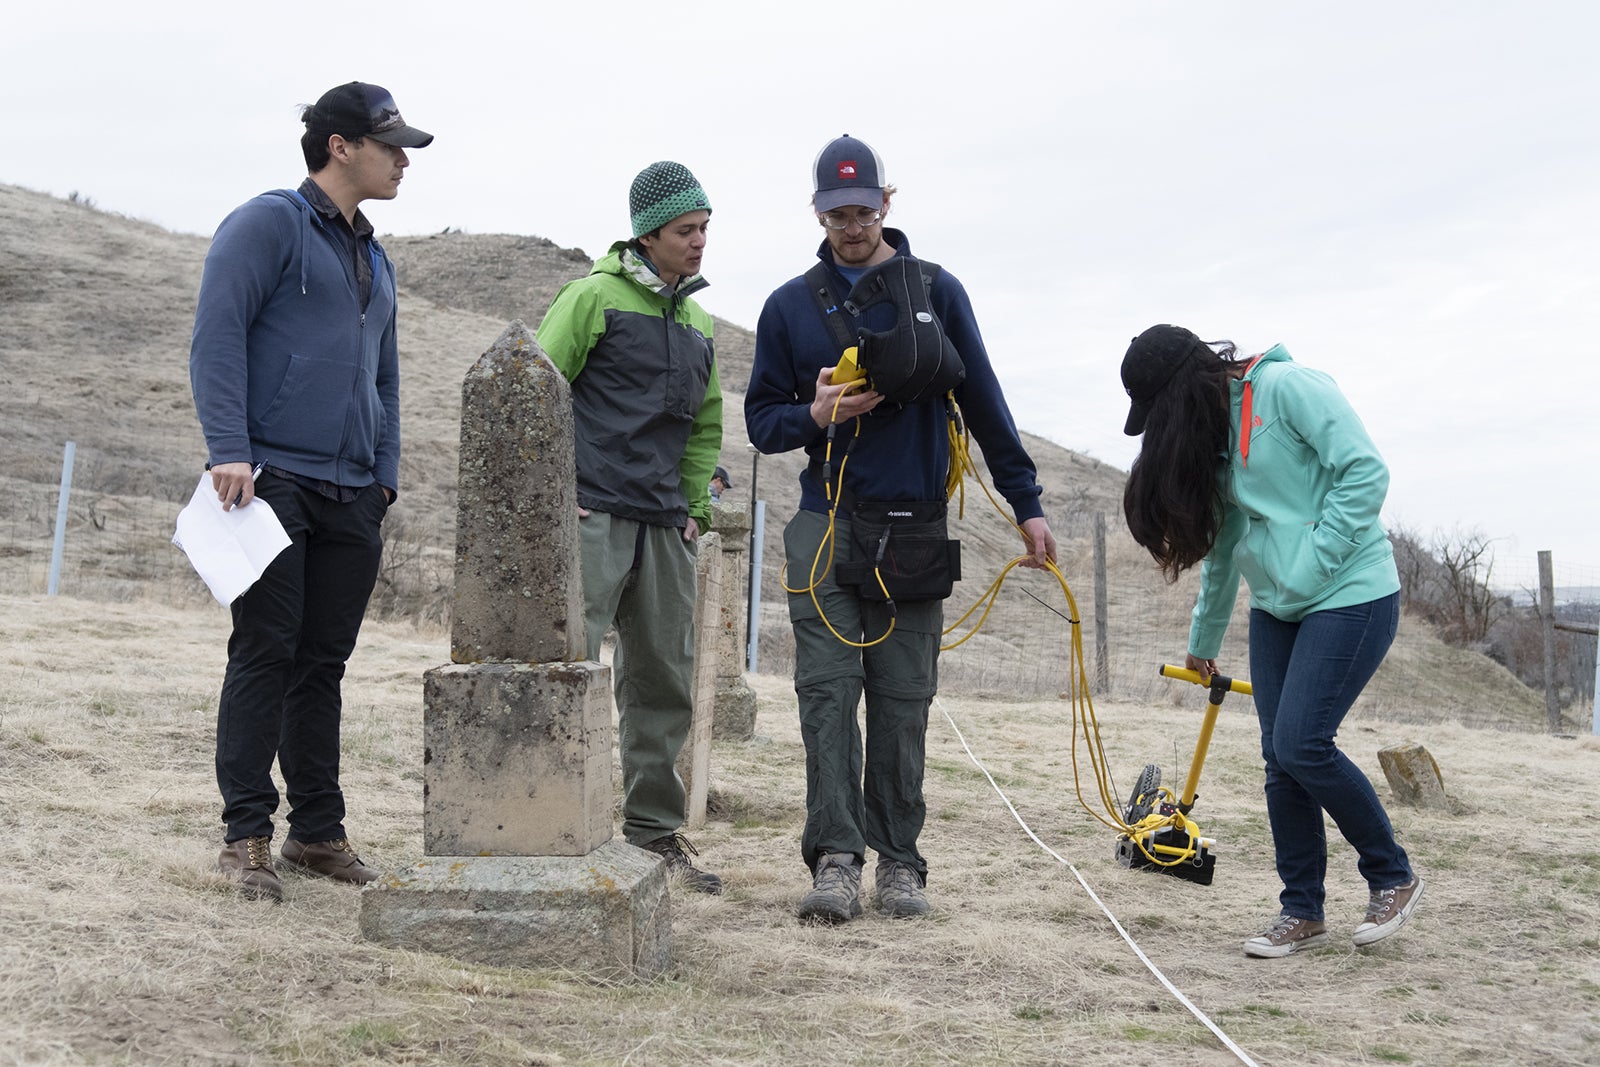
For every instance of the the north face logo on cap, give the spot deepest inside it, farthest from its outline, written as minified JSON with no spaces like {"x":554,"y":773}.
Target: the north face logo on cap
{"x":385,"y":119}
{"x":847,"y":170}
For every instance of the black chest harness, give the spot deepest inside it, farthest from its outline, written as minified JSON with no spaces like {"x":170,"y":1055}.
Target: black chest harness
{"x":913,"y":360}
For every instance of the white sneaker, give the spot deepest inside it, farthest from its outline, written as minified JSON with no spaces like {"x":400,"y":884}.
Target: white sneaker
{"x":1288,"y":933}
{"x":1387,"y":911}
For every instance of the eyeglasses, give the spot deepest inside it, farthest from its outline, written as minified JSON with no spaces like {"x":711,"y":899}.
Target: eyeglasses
{"x":834,"y":220}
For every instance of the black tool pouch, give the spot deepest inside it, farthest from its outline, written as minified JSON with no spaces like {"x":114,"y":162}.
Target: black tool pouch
{"x":907,"y":544}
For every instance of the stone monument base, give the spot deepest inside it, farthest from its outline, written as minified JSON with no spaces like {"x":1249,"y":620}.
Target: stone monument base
{"x":604,"y":914}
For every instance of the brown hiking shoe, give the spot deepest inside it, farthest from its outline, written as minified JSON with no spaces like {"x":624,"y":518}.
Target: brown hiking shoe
{"x":1387,"y":911}
{"x":1288,"y":933}
{"x":672,"y":849}
{"x":327,"y":859}
{"x":248,"y":863}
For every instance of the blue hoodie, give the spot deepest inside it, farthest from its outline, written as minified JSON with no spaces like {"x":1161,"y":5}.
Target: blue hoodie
{"x":1304,"y":486}
{"x":286,"y":367}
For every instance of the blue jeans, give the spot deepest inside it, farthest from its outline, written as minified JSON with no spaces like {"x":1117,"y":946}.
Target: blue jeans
{"x":1305,"y":676}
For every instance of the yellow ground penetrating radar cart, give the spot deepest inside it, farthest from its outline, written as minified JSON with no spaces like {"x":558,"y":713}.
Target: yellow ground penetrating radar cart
{"x":1160,"y":833}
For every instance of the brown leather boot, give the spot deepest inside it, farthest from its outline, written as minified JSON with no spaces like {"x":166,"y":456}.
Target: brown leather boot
{"x":327,"y":859}
{"x":248,"y":862}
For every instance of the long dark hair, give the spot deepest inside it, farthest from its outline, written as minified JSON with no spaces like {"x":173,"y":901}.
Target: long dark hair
{"x":1173,"y":497}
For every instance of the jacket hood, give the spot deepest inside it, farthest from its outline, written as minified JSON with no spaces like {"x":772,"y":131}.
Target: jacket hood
{"x":625,"y":263}
{"x":307,"y":219}
{"x":1275,"y":354}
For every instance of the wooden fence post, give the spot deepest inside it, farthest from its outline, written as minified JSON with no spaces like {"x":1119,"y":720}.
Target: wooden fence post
{"x":1547,"y":618}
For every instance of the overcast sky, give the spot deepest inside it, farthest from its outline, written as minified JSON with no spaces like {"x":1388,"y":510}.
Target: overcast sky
{"x":1407,"y":195}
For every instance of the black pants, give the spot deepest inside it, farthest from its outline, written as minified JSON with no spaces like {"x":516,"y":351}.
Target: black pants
{"x":292,"y":633}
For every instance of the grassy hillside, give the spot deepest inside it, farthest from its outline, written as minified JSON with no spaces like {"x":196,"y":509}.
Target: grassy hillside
{"x":94,"y":349}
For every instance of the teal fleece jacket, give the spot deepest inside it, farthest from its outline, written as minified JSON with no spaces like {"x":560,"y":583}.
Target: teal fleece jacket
{"x":1303,"y":488}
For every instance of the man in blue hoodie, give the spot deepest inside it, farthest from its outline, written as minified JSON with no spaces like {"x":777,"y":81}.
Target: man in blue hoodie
{"x":847,"y":638}
{"x":295,"y":372}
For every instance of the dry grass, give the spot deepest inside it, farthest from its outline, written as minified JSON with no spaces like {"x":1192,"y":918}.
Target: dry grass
{"x":119,"y":945}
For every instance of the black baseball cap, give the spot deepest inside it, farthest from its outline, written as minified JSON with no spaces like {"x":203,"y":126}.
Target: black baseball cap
{"x":1152,"y":359}
{"x":847,"y":172}
{"x":722,"y":472}
{"x":359,"y":109}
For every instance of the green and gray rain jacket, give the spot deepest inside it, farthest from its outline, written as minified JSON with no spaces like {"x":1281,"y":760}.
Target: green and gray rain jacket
{"x":646,"y":403}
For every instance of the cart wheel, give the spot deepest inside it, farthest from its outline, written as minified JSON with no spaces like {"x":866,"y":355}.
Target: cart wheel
{"x":1146,"y":793}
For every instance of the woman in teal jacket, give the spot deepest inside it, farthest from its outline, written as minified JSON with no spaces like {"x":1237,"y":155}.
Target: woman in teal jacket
{"x":1260,"y":468}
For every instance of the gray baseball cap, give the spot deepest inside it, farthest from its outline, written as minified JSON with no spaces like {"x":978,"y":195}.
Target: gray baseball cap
{"x":848,"y":172}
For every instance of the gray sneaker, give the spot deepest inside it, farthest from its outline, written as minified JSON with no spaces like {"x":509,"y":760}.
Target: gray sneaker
{"x":835,"y":895}
{"x":899,"y":890}
{"x":1288,"y":933}
{"x":1387,"y":911}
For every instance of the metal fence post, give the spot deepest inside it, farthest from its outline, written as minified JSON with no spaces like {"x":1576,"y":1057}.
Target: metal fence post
{"x":61,"y":520}
{"x":757,"y":538}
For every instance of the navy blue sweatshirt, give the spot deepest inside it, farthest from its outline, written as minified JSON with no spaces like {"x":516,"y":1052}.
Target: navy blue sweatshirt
{"x":902,"y":453}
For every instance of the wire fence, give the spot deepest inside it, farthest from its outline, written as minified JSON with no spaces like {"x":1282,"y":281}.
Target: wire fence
{"x":117,"y":546}
{"x":1577,"y":584}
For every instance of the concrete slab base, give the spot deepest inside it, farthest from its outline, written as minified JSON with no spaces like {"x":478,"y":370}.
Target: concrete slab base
{"x":605,"y":914}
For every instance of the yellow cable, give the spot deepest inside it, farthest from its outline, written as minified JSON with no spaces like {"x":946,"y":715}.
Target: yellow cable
{"x":827,"y":542}
{"x":1083,"y":714}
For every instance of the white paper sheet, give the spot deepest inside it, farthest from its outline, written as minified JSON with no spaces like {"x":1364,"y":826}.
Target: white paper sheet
{"x":228,"y":549}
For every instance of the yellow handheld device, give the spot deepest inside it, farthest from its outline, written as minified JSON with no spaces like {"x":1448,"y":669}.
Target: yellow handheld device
{"x":848,"y":369}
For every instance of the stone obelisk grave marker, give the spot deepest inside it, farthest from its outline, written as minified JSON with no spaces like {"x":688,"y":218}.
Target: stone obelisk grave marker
{"x":520,"y":867}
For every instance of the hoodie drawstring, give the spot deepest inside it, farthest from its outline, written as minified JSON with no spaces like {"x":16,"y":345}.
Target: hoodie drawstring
{"x":1245,"y":418}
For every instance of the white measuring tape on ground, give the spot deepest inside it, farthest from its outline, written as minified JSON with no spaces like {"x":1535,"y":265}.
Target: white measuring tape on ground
{"x":1137,"y":951}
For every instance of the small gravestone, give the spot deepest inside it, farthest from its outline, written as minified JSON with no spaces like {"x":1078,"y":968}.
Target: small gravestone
{"x":1413,"y":775}
{"x":734,"y":700}
{"x":521,"y":868}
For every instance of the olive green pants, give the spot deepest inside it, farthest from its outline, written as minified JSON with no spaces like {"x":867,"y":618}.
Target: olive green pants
{"x":851,"y":804}
{"x":641,"y":579}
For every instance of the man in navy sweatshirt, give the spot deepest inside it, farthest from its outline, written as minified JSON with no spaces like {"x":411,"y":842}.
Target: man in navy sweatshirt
{"x":295,"y":371}
{"x":871,"y":455}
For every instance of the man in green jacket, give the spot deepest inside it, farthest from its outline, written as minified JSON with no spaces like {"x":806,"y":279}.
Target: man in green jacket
{"x":647,"y":414}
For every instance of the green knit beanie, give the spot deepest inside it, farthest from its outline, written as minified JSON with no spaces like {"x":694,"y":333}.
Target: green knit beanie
{"x":661,"y":193}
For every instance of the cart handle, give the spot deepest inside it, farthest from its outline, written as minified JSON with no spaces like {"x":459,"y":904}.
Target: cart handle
{"x":1219,"y":683}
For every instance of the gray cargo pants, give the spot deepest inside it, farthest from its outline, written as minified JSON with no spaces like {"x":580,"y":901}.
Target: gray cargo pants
{"x":850,"y":805}
{"x":641,"y":579}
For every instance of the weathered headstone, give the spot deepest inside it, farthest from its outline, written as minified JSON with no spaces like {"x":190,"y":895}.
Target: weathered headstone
{"x":521,"y":868}
{"x":735,"y":701}
{"x":518,"y":595}
{"x":1413,"y":775}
